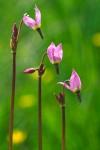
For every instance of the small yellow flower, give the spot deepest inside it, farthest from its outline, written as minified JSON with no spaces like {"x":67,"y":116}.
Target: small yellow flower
{"x":96,"y":39}
{"x":18,"y":137}
{"x":26,"y":101}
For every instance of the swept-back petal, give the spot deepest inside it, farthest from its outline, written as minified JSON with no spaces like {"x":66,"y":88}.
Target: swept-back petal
{"x":29,"y":22}
{"x":37,"y":16}
{"x":65,"y":85}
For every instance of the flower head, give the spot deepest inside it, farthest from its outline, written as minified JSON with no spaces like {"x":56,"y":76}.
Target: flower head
{"x":34,"y":24}
{"x":55,"y":53}
{"x":13,"y":41}
{"x":75,"y":83}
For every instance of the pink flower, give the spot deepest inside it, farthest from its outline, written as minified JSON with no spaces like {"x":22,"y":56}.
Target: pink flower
{"x":75,"y":82}
{"x":33,"y":24}
{"x":55,"y":53}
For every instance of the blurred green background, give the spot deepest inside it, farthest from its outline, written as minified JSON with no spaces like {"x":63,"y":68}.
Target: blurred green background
{"x":75,"y":23}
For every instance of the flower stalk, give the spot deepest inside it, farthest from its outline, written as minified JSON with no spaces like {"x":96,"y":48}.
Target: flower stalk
{"x":12,"y":101}
{"x":75,"y":87}
{"x":55,"y":56}
{"x":63,"y":127}
{"x":39,"y":115}
{"x":61,"y":100}
{"x":41,"y":70}
{"x":13,"y":45}
{"x":63,"y":120}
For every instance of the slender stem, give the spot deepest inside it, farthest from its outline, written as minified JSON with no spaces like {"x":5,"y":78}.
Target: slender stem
{"x":12,"y":101}
{"x":63,"y":120}
{"x":63,"y":127}
{"x":20,"y":25}
{"x":14,"y":47}
{"x":39,"y":115}
{"x":42,"y":61}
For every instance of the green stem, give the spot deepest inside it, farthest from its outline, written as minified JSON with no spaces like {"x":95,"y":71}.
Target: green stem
{"x":39,"y":115}
{"x":63,"y":127}
{"x":12,"y":101}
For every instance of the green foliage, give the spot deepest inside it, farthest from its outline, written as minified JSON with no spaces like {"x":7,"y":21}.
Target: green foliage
{"x":76,"y":24}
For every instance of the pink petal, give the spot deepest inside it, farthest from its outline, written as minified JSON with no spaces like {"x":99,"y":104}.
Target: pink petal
{"x":29,"y":22}
{"x":37,"y":16}
{"x":65,"y":85}
{"x":29,"y":70}
{"x":50,"y":52}
{"x":75,"y":82}
{"x":59,"y":47}
{"x":55,"y":53}
{"x":58,"y":53}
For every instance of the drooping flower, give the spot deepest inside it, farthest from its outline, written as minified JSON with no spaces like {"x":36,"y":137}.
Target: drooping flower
{"x":55,"y":54}
{"x":75,"y":84}
{"x":34,"y":24}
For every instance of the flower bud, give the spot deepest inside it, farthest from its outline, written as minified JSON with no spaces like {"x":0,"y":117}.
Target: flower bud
{"x":30,"y":70}
{"x":60,"y":98}
{"x":13,"y":41}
